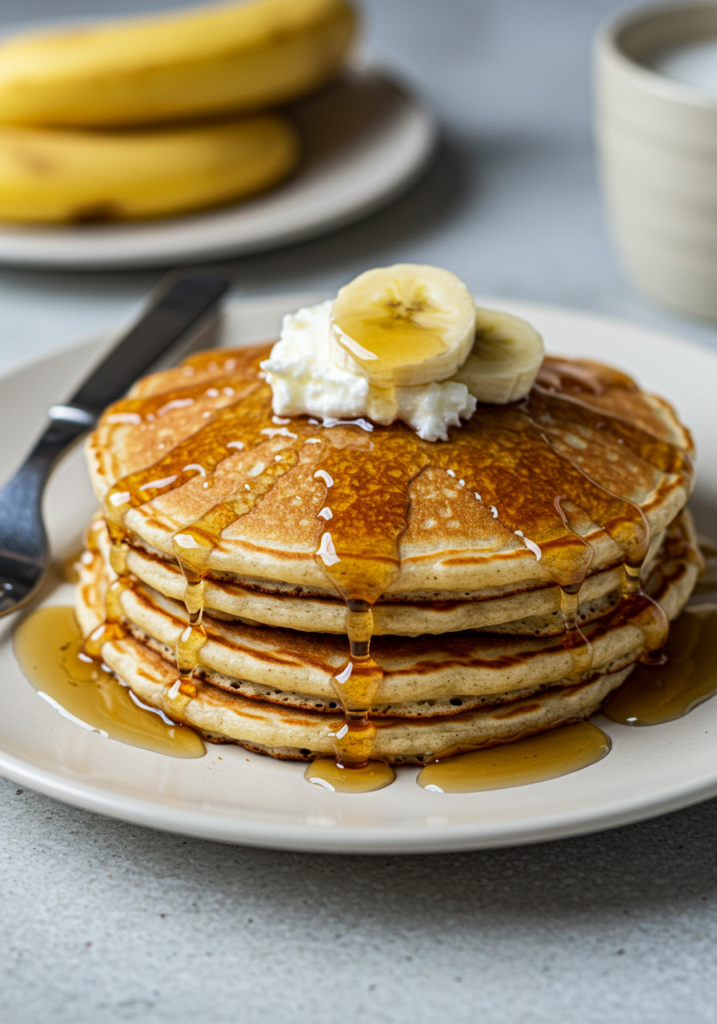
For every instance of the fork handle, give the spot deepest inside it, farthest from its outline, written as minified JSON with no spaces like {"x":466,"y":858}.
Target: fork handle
{"x":24,"y":537}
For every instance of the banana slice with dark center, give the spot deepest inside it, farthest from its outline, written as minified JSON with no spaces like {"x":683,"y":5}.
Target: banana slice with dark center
{"x":403,"y":326}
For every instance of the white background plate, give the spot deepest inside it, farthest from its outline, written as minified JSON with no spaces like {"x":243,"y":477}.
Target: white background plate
{"x":247,"y":798}
{"x":366,"y":140}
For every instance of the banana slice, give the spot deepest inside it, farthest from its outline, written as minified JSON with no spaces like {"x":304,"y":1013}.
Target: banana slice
{"x":402,"y":326}
{"x":504,"y":360}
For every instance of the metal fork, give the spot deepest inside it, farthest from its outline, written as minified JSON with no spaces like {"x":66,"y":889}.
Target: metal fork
{"x":167,"y":328}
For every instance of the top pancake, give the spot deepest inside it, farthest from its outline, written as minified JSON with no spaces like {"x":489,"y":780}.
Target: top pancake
{"x":197,"y":450}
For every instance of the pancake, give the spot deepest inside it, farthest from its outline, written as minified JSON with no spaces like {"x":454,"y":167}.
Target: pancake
{"x":198,"y":447}
{"x":424,"y":679}
{"x":292,"y":733}
{"x":532,"y":611}
{"x":368,"y":592}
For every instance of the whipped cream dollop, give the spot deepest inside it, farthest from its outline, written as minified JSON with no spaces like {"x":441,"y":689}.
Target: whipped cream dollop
{"x":305,"y":381}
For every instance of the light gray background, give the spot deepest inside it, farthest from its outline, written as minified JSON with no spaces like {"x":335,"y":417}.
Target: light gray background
{"x":102,"y":921}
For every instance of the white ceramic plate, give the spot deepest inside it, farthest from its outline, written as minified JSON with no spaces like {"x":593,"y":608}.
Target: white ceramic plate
{"x":366,"y":140}
{"x":247,"y":798}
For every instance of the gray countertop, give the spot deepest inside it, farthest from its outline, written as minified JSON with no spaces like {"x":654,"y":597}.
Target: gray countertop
{"x":102,"y":921}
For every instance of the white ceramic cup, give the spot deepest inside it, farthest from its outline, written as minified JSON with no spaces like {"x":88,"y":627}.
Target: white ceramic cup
{"x":657,"y":139}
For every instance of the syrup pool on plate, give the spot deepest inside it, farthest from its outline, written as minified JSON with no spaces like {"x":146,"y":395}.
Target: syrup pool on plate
{"x":325,"y":772}
{"x":652,"y":695}
{"x":48,"y":646}
{"x":547,"y":755}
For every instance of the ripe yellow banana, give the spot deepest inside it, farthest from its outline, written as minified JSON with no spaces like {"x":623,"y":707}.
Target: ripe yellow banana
{"x":189,"y":63}
{"x":55,"y":176}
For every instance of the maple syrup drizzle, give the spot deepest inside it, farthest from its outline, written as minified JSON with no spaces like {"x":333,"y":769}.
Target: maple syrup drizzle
{"x":327,"y":773}
{"x":547,"y":755}
{"x":356,"y":685}
{"x":49,"y":648}
{"x":574,"y":640}
{"x":515,"y":457}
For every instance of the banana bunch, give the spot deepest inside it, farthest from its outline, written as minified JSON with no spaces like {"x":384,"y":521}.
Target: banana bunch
{"x":410,"y":325}
{"x":80,"y":108}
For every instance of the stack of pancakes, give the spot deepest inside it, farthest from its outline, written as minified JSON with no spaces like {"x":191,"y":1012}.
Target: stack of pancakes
{"x":469,"y":624}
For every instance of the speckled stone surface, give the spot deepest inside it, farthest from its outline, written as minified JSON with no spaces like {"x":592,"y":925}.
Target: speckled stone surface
{"x":102,"y":921}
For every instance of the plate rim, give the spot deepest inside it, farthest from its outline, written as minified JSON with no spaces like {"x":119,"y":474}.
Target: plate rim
{"x":408,"y":840}
{"x":333,"y":838}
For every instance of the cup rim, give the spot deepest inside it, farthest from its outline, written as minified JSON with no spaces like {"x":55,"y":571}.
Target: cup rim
{"x":608,"y":51}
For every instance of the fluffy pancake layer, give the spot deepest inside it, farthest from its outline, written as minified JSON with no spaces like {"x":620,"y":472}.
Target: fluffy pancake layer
{"x":290,"y":733}
{"x":259,"y":683}
{"x":530,"y":611}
